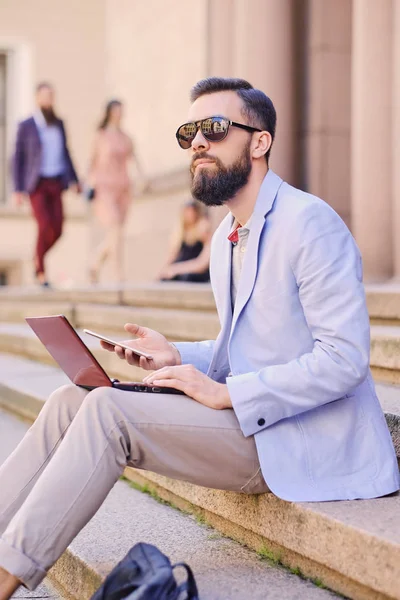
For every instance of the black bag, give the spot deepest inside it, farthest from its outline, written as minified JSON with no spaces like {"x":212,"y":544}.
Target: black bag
{"x":145,"y":573}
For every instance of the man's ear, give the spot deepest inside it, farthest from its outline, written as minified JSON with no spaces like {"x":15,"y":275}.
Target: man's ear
{"x":263,"y":143}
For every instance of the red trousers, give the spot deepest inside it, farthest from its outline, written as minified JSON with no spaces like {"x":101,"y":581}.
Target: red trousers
{"x":47,"y":209}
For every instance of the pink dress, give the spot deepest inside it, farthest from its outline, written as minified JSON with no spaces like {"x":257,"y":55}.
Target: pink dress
{"x":109,"y":172}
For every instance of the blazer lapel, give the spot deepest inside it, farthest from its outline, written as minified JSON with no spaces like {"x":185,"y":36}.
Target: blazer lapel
{"x":265,"y":200}
{"x":34,"y":131}
{"x":221,"y":284}
{"x":221,"y":272}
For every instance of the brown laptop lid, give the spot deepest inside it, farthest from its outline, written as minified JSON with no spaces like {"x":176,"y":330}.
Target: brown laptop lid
{"x":69,"y":351}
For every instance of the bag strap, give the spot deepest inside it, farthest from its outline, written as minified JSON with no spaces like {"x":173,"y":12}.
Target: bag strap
{"x":189,"y":586}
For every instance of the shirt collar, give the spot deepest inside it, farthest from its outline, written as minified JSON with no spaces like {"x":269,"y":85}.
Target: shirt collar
{"x":234,"y":234}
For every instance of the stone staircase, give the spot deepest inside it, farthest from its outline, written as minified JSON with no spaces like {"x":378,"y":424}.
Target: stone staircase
{"x":352,"y":547}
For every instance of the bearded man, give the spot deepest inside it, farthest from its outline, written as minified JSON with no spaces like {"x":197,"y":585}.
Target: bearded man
{"x":42,"y":169}
{"x":281,"y":401}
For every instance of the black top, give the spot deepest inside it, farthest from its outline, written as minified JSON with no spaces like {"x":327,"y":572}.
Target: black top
{"x":190,"y":252}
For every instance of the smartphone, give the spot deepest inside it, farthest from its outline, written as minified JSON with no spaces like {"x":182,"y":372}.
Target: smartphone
{"x":113,"y":343}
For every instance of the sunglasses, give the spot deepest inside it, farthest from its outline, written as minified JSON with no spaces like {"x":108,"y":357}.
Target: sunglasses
{"x":214,"y":129}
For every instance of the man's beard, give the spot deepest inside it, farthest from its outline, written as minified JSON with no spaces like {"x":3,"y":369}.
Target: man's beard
{"x":49,"y":115}
{"x":216,"y":188}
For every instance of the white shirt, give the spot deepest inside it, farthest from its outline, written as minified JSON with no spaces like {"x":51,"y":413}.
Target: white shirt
{"x":238,"y":254}
{"x":53,"y":160}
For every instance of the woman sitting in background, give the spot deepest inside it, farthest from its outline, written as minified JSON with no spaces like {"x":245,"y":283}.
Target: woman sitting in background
{"x":189,"y":254}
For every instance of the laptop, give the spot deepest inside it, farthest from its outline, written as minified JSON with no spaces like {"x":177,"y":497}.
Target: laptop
{"x":75,"y":359}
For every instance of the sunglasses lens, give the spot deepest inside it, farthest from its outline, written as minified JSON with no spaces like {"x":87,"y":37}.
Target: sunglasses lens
{"x":186,"y":134}
{"x":215,"y":129}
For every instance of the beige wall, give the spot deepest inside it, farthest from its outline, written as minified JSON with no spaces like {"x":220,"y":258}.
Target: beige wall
{"x":328,"y":102}
{"x":155,"y":53}
{"x":372,"y":128}
{"x":62,"y":42}
{"x":396,"y":138}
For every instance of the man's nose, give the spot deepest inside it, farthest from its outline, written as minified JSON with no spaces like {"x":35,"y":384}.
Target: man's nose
{"x":200,"y":142}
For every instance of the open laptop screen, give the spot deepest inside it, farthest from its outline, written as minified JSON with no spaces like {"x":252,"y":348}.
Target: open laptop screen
{"x":69,"y":351}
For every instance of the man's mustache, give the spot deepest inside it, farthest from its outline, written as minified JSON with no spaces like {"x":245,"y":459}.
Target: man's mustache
{"x":201,"y":156}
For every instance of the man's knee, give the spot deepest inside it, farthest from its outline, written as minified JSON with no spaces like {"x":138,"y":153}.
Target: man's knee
{"x":105,"y":406}
{"x":103,"y":411}
{"x":101,"y":401}
{"x":67,"y":398}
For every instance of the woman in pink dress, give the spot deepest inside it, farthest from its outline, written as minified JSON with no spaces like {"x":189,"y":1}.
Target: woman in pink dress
{"x":112,"y":189}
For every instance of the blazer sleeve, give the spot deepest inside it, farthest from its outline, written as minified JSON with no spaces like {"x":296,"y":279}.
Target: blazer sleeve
{"x":71,"y":173}
{"x":327,"y":266}
{"x":198,"y":354}
{"x":18,"y":161}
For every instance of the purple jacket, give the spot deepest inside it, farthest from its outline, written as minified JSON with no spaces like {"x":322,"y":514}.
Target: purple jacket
{"x":27,"y":158}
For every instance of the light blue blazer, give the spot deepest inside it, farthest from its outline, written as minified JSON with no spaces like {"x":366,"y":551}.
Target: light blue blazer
{"x":297,"y":348}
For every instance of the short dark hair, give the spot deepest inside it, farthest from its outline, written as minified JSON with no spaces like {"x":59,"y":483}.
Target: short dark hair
{"x":43,"y":84}
{"x":258,"y":108}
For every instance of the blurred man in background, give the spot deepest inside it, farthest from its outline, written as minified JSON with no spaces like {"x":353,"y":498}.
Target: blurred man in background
{"x":42,"y":168}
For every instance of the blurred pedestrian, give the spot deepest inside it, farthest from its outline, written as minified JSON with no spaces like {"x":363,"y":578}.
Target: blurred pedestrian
{"x":189,"y":254}
{"x":110,"y":188}
{"x":42,"y":168}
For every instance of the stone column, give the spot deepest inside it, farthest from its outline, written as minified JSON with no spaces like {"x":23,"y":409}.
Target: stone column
{"x":371,"y":133}
{"x":3,"y":108}
{"x":263,"y":54}
{"x":396,"y":138}
{"x":220,"y":38}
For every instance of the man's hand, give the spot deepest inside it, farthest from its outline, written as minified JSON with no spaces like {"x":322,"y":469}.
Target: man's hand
{"x":75,"y":187}
{"x":19,"y":198}
{"x":148,"y":341}
{"x":194,"y":384}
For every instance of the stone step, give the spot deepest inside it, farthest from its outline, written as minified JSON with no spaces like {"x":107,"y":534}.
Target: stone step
{"x":223,"y":568}
{"x":383,"y":300}
{"x":192,"y":296}
{"x":190,"y":325}
{"x":15,"y":311}
{"x":174,"y":323}
{"x":385,"y":353}
{"x":353,"y":547}
{"x":47,"y":589}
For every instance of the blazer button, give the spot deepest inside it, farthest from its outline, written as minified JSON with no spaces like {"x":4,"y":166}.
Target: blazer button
{"x":261,"y":422}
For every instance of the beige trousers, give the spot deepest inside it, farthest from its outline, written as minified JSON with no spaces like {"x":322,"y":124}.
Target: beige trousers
{"x":78,"y":447}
